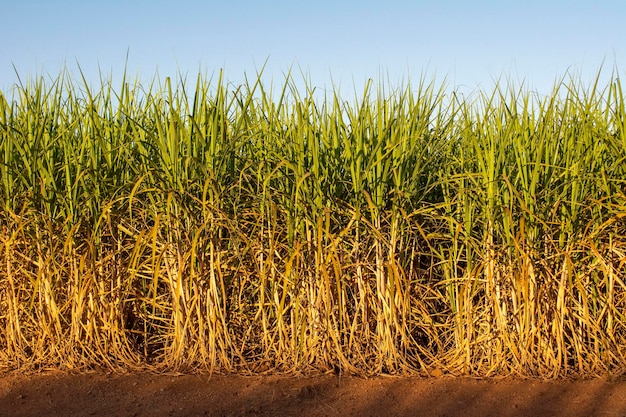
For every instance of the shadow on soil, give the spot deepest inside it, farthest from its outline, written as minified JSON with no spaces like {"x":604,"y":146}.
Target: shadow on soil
{"x":145,"y":394}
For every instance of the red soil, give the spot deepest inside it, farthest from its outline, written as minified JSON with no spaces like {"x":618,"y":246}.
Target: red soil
{"x":146,"y":394}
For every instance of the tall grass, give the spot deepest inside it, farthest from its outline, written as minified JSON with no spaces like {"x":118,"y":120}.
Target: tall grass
{"x":239,"y":229}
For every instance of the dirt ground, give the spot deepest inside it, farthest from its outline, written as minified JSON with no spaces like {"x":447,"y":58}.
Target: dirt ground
{"x":147,"y":394}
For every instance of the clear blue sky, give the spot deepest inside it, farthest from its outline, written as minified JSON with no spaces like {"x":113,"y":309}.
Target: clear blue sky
{"x":470,"y":42}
